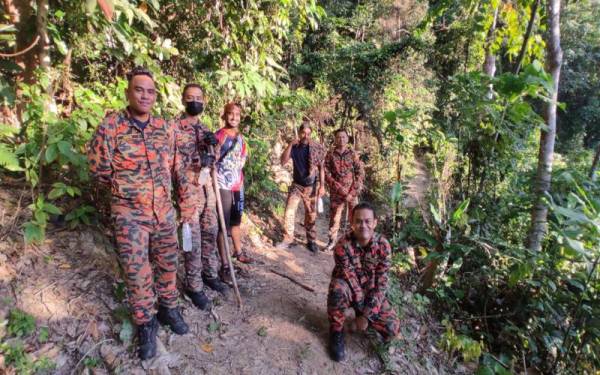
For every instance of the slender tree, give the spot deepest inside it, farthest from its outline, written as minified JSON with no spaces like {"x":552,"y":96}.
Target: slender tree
{"x":594,"y":168}
{"x":489,"y":65}
{"x":530,"y":24}
{"x":539,"y":212}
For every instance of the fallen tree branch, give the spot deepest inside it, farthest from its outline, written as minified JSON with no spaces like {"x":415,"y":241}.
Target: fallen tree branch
{"x":37,"y":39}
{"x":310,"y":289}
{"x":88,"y":353}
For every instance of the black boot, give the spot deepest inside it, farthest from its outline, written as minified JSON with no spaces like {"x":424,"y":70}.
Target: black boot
{"x":147,"y":339}
{"x":336,"y":346}
{"x":173,"y":319}
{"x":312,"y":247}
{"x":217,"y":285}
{"x":199,"y":299}
{"x":225,"y":275}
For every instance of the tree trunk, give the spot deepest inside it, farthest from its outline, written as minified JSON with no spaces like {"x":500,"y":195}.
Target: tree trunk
{"x":489,"y":66}
{"x":428,"y":275}
{"x":527,"y":36}
{"x":593,"y":170}
{"x":44,"y":61}
{"x":42,"y":29}
{"x":539,"y":212}
{"x":20,"y":13}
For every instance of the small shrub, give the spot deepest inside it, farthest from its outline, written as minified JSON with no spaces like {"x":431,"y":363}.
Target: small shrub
{"x":20,"y":323}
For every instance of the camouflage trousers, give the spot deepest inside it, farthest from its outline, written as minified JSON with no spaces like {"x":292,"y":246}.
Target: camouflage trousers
{"x":337,"y":205}
{"x":341,"y":298}
{"x":142,"y":246}
{"x":204,"y":258}
{"x":308,"y":196}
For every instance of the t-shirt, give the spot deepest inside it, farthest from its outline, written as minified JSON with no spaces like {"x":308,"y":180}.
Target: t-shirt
{"x":301,"y":173}
{"x":231,"y":159}
{"x":140,"y":124}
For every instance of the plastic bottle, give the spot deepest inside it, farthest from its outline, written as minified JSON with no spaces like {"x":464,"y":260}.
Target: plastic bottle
{"x":320,"y":208}
{"x":204,"y":176}
{"x":186,"y":233}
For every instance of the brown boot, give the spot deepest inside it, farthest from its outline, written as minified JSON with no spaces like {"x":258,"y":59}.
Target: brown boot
{"x":225,"y":274}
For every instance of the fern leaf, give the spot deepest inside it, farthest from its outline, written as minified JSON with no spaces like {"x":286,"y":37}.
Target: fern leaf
{"x":8,"y":159}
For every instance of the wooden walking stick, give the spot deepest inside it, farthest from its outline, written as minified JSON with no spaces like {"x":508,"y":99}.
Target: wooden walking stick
{"x":224,"y":231}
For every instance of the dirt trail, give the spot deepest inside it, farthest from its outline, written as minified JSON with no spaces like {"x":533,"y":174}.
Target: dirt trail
{"x":282,"y":328}
{"x":69,"y":285}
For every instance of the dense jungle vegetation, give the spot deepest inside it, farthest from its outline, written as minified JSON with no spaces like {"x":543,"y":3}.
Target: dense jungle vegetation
{"x":479,"y":122}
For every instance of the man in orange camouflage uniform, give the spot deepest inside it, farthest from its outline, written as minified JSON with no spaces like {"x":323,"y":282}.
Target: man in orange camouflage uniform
{"x":136,"y":156}
{"x":307,"y":158}
{"x":202,"y":263}
{"x":344,"y":174}
{"x":359,"y":280}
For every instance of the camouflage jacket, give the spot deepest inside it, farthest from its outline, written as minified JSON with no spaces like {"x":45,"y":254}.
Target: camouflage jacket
{"x":316,"y":155}
{"x":365,"y":270}
{"x":344,"y":173}
{"x":191,"y":144}
{"x":140,"y":167}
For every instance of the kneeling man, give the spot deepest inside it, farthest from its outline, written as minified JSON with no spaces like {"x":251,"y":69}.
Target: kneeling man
{"x":359,"y":280}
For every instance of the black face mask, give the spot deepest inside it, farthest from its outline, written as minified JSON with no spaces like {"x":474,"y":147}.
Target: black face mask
{"x":194,"y":108}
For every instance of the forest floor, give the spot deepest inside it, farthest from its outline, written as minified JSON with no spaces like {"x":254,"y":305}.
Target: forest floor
{"x":70,"y":284}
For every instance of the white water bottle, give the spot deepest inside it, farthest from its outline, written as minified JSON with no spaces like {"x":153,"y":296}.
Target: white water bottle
{"x":320,"y":208}
{"x":204,"y":176}
{"x":186,"y":233}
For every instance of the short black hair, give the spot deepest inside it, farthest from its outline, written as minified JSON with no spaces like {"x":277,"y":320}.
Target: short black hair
{"x":305,"y":125}
{"x":190,"y":85}
{"x":138,"y":71}
{"x":340,"y":130}
{"x":364,"y":206}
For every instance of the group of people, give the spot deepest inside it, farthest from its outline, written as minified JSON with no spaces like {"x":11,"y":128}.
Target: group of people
{"x":146,"y":161}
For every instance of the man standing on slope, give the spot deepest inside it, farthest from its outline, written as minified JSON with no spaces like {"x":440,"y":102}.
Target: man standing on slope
{"x":359,"y":280}
{"x":232,"y":152}
{"x":202,"y":263}
{"x":135,"y":155}
{"x":308,"y":184}
{"x":344,"y":174}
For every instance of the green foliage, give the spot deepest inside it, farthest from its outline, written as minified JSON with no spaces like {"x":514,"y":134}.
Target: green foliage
{"x":43,"y":335}
{"x":20,"y":323}
{"x":408,"y":83}
{"x":213,"y":327}
{"x":544,"y":302}
{"x":16,"y":357}
{"x":491,"y":365}
{"x":127,"y":328}
{"x":262,"y":331}
{"x":91,"y":362}
{"x":466,"y":346}
{"x":258,"y":177}
{"x":8,"y":159}
{"x":580,"y":78}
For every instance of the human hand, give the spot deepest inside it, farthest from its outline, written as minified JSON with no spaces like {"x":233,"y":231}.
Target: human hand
{"x":321,"y":190}
{"x":183,"y":220}
{"x":210,"y":139}
{"x":207,"y":160}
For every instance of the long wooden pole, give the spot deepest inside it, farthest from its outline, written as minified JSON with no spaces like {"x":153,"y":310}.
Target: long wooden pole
{"x":238,"y":297}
